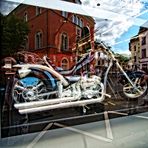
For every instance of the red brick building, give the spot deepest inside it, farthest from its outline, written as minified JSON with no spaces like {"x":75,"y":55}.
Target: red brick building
{"x":56,"y":33}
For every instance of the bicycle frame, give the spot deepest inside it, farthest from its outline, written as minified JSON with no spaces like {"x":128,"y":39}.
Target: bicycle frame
{"x":107,"y":51}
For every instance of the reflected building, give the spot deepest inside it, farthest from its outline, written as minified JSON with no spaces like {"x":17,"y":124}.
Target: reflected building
{"x":143,"y":38}
{"x":134,"y":47}
{"x":60,"y":35}
{"x":139,"y":49}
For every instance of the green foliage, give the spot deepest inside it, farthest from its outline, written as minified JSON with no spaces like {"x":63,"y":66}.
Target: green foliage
{"x":122,"y":58}
{"x":14,"y":32}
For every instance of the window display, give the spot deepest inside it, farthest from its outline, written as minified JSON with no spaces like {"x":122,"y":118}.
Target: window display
{"x":62,"y":71}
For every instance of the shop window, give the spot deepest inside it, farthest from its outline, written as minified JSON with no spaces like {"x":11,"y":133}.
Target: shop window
{"x":38,"y":40}
{"x":64,"y":42}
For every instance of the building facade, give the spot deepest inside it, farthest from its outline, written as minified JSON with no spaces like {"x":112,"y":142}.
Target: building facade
{"x":139,"y":49}
{"x":134,"y":47}
{"x":60,"y":35}
{"x":143,"y":39}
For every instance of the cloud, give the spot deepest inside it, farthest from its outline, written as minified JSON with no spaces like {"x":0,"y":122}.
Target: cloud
{"x":6,"y":7}
{"x":109,"y":31}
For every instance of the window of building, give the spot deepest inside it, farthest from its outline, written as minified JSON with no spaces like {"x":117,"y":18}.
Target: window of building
{"x":78,"y":32}
{"x":77,"y":1}
{"x":64,"y":64}
{"x":27,"y":43}
{"x":25,"y":17}
{"x":38,"y":40}
{"x":64,"y":42}
{"x":144,"y":67}
{"x":135,"y":48}
{"x":143,"y":53}
{"x":85,"y":36}
{"x":135,"y":58}
{"x":74,"y":19}
{"x":85,"y":32}
{"x":38,"y":10}
{"x":99,"y":63}
{"x":64,"y":14}
{"x":143,"y":40}
{"x":81,"y":23}
{"x":77,"y":20}
{"x":102,"y":62}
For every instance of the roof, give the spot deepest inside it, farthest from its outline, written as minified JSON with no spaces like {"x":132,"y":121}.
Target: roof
{"x":142,"y":29}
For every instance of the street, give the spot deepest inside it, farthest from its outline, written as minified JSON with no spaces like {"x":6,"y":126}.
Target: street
{"x":126,"y":132}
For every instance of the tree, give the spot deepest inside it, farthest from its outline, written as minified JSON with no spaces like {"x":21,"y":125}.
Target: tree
{"x":122,"y":58}
{"x":14,"y":33}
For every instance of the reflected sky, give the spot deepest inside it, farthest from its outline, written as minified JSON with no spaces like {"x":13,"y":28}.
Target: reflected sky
{"x":118,"y":22}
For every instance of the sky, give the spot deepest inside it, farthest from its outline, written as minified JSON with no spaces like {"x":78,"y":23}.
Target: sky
{"x":116,"y":20}
{"x":118,"y":33}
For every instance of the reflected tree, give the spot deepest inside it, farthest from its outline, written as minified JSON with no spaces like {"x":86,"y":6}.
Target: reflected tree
{"x":14,"y":33}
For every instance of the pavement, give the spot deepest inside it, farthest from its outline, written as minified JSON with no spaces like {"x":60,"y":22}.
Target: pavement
{"x":126,"y":132}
